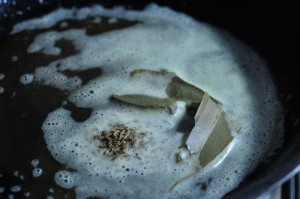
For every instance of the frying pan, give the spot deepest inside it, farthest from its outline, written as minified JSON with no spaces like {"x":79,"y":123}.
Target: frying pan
{"x":271,"y":30}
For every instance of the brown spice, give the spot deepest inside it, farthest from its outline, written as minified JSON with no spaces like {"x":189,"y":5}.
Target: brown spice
{"x":117,"y":141}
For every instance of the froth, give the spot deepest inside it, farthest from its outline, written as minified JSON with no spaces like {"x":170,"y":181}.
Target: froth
{"x":66,"y":179}
{"x":201,"y":55}
{"x":35,"y":162}
{"x":2,"y":75}
{"x":45,"y":44}
{"x":11,"y":196}
{"x":2,"y":189}
{"x":27,"y":194}
{"x":14,"y":58}
{"x":16,"y":188}
{"x":1,"y":90}
{"x":26,"y":79}
{"x":43,"y":22}
{"x":37,"y":172}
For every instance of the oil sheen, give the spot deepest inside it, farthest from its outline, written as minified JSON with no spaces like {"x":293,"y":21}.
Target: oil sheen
{"x":157,"y":38}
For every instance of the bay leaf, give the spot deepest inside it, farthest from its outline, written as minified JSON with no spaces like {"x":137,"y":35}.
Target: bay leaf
{"x":180,"y":90}
{"x":147,"y":101}
{"x":177,"y":88}
{"x":152,"y":72}
{"x":211,"y":133}
{"x":201,"y":107}
{"x":218,"y":140}
{"x":203,"y":126}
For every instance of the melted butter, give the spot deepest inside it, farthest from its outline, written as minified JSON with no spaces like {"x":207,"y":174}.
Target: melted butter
{"x":163,"y":39}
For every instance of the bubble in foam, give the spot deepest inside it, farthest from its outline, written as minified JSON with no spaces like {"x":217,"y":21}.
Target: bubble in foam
{"x":66,"y":179}
{"x":14,"y":58}
{"x":35,"y":162}
{"x":15,"y":188}
{"x":27,"y":194}
{"x":19,"y":12}
{"x":16,"y":173}
{"x":112,"y":20}
{"x":37,"y":172}
{"x":22,"y":177}
{"x":2,"y":189}
{"x":1,"y":90}
{"x":2,"y":76}
{"x":63,"y":24}
{"x":26,"y":79}
{"x":97,"y":20}
{"x":11,"y":196}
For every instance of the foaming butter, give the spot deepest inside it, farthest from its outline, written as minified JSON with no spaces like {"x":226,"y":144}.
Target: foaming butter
{"x":159,"y":39}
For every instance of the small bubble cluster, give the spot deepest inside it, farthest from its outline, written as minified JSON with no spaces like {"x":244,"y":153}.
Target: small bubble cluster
{"x":11,"y":196}
{"x":2,"y":76}
{"x":17,"y":174}
{"x":35,"y":162}
{"x":26,"y":79}
{"x":65,"y":179}
{"x":2,"y":189}
{"x":27,"y":194}
{"x":16,"y":188}
{"x":14,"y":58}
{"x":37,"y":172}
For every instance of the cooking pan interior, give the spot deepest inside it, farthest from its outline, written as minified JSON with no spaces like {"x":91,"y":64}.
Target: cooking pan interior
{"x":273,"y":32}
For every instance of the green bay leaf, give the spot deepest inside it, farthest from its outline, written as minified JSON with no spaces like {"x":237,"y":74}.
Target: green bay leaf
{"x":147,"y":101}
{"x":218,"y":140}
{"x":152,"y":72}
{"x":180,"y":90}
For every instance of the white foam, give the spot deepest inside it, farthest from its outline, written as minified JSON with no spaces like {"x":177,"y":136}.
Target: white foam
{"x":14,"y":58}
{"x":35,"y":162}
{"x":2,"y":76}
{"x":11,"y":196}
{"x":201,"y":55}
{"x":26,"y":79}
{"x":16,"y":188}
{"x":49,"y":76}
{"x":1,"y":90}
{"x":37,"y":172}
{"x":2,"y":189}
{"x":27,"y":194}
{"x":64,"y":24}
{"x":43,"y":22}
{"x":45,"y":44}
{"x":66,"y":179}
{"x":16,"y":173}
{"x":112,"y":20}
{"x":22,"y":177}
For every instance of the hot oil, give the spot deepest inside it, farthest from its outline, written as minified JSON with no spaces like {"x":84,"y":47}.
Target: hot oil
{"x":79,"y":58}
